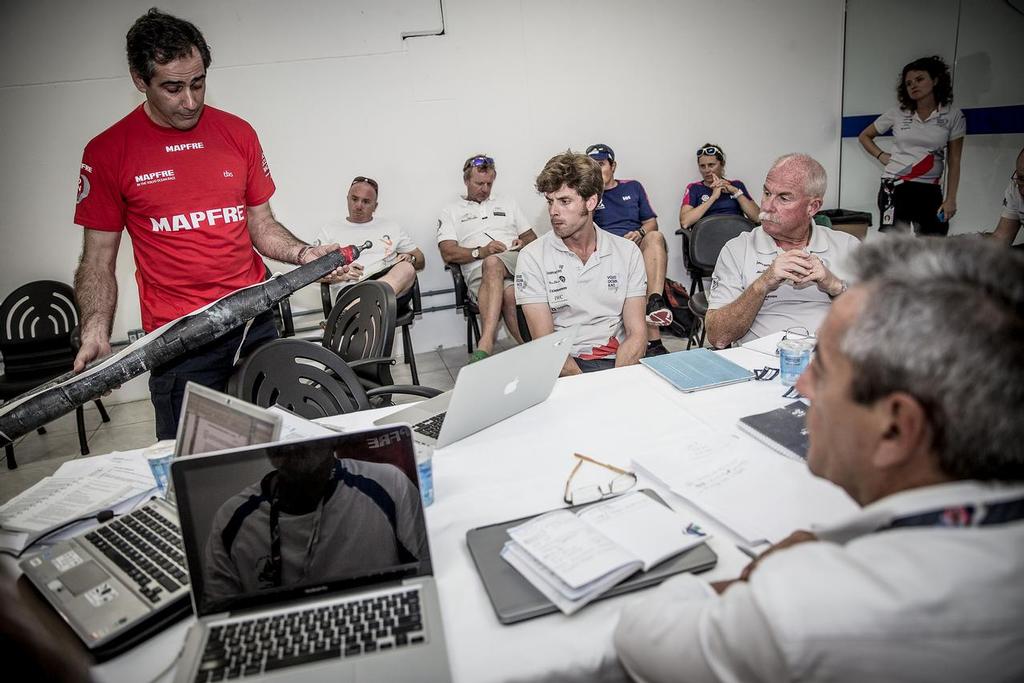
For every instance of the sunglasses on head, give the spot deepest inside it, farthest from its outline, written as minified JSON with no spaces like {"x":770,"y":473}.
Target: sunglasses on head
{"x":478,"y":161}
{"x":363,"y":179}
{"x":709,"y":152}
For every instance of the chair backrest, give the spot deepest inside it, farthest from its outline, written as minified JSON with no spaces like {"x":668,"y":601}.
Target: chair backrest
{"x":301,"y":376}
{"x":362,"y":322}
{"x":459,"y":284}
{"x":36,"y":323}
{"x":709,"y":235}
{"x":282,"y":311}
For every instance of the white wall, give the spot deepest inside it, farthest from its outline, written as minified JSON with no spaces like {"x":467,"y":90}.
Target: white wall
{"x":334,"y":92}
{"x":981,"y":40}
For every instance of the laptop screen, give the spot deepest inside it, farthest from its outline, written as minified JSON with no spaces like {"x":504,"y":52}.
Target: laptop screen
{"x":212,"y":421}
{"x":268,"y":523}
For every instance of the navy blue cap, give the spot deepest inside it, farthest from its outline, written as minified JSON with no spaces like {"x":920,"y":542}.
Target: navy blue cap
{"x":600,"y":152}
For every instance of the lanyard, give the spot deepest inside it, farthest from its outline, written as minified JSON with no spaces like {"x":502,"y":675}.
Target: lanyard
{"x":962,"y":516}
{"x":275,"y":572}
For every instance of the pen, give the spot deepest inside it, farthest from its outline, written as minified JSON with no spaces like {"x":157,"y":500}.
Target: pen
{"x":488,"y":236}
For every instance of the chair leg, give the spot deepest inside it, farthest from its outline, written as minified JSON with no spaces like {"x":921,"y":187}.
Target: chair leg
{"x":469,"y":333}
{"x":410,"y":354}
{"x":12,"y":464}
{"x":102,"y":411}
{"x":702,"y":330}
{"x":82,"y":441}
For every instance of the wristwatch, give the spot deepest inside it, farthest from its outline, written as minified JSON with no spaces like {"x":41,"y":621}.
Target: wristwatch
{"x":475,"y":253}
{"x":737,"y":194}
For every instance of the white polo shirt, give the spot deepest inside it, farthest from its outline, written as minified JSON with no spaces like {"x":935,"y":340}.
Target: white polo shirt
{"x":475,"y":224}
{"x":590,"y":294}
{"x":1013,"y":205}
{"x":919,"y":152}
{"x":387,"y":236}
{"x":744,"y":258}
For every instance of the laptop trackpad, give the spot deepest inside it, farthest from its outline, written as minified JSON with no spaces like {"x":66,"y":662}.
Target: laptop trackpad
{"x":83,"y":577}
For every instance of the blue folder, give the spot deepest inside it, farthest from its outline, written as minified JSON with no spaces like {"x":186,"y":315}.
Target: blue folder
{"x":697,"y":369}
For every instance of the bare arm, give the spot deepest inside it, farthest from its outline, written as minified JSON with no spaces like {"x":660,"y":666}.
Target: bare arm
{"x":275,"y":241}
{"x":632,"y":349}
{"x":415,"y":257}
{"x":867,"y":141}
{"x":730,"y":322}
{"x":96,"y":292}
{"x":451,"y":252}
{"x":540,"y":322}
{"x":954,"y":150}
{"x":1006,"y":230}
{"x":688,"y":215}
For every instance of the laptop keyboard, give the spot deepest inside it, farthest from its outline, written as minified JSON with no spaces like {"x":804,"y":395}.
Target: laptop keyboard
{"x":431,"y":426}
{"x":269,"y":643}
{"x":147,"y":547}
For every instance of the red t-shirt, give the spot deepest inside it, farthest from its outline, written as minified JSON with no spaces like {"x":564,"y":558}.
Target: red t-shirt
{"x":182,"y":195}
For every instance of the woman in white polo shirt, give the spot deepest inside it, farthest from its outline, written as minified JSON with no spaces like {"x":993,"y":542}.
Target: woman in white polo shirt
{"x":927,"y":133}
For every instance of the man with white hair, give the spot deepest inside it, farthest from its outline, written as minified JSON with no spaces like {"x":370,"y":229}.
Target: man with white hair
{"x":784,"y":273}
{"x":918,"y":420}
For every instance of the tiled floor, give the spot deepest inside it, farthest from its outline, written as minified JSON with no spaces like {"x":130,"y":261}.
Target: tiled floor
{"x":131,"y":424}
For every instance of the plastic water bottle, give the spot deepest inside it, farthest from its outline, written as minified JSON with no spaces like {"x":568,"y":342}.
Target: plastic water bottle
{"x":425,"y":469}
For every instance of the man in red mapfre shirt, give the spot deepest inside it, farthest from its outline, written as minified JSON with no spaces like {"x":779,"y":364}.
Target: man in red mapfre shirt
{"x":192,"y":186}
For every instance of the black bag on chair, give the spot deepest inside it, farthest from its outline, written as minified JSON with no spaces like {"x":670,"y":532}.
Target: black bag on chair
{"x":678,"y":299}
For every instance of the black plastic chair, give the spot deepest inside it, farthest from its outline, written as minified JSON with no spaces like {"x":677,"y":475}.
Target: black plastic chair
{"x":37,"y":325}
{"x":282,"y":313}
{"x":465,"y":303}
{"x":703,"y":242}
{"x":308,"y":380}
{"x":698,"y":305}
{"x":409,"y":306}
{"x":361,"y":330}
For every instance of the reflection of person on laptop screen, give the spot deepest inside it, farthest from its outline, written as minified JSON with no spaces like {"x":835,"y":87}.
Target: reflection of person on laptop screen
{"x":314,"y":517}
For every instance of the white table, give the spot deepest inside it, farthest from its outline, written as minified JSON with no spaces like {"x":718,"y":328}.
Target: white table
{"x":518,"y":468}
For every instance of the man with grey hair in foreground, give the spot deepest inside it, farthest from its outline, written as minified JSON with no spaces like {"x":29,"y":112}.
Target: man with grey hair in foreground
{"x":918,"y":420}
{"x":785,"y":272}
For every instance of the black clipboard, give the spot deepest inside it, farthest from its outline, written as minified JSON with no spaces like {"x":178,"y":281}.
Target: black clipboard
{"x":515,"y":599}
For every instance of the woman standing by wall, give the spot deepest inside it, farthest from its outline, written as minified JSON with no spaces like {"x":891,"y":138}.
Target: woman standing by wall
{"x":927,"y":134}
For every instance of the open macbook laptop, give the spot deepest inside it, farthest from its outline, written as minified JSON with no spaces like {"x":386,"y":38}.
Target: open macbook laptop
{"x":119,"y":583}
{"x":309,"y":561}
{"x":489,"y":391}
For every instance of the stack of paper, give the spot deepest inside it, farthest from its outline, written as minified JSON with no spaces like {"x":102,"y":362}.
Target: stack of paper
{"x":79,"y":488}
{"x":572,"y":558}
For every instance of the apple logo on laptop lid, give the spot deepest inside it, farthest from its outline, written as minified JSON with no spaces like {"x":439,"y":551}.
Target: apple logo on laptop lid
{"x":511,"y":386}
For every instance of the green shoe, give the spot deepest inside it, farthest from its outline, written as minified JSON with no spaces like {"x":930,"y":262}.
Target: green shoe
{"x":477,"y":355}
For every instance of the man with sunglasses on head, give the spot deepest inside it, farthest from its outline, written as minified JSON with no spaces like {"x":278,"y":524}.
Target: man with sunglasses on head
{"x":192,"y":187}
{"x":625,"y":211}
{"x":785,"y":272}
{"x":393,"y":259}
{"x":1012,"y":217}
{"x":483,"y":235}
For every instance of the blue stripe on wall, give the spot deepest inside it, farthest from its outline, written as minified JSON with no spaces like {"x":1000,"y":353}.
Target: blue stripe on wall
{"x":980,"y":121}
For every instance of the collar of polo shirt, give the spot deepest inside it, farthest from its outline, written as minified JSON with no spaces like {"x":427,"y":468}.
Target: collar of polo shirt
{"x":764,"y":244}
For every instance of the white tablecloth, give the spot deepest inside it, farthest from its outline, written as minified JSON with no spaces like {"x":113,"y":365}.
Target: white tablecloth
{"x":518,"y":468}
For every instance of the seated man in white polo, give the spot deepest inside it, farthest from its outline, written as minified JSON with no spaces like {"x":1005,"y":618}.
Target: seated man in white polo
{"x":483,"y":235}
{"x":1012,"y":216}
{"x":784,"y":273}
{"x":393,"y":259}
{"x":579,"y":275}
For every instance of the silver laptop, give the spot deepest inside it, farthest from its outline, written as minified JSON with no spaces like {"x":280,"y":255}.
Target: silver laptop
{"x":309,"y":561}
{"x":489,"y":391}
{"x":117,"y":584}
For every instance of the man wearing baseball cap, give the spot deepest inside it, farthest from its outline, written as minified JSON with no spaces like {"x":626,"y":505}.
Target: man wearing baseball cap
{"x":625,"y":211}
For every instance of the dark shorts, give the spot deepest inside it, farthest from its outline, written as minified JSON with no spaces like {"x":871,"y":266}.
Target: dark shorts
{"x":595,"y":365}
{"x":209,"y":365}
{"x":917,"y":203}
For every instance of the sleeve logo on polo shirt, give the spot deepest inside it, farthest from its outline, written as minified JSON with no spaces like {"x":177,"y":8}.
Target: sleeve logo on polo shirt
{"x":521,"y":281}
{"x":84,"y":186}
{"x":613,"y":281}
